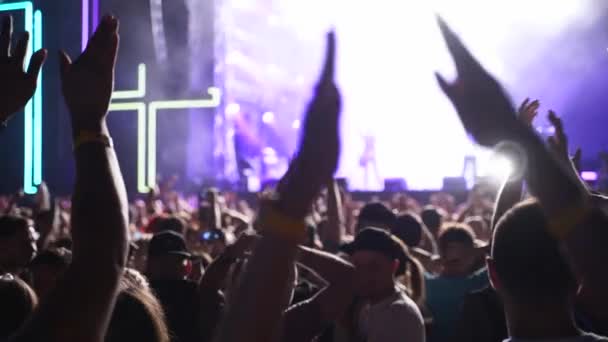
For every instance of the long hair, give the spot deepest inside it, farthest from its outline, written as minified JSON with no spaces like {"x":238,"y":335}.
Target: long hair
{"x":138,"y":315}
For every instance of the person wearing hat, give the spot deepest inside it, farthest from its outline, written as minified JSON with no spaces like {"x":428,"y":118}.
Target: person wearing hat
{"x":387,"y":313}
{"x":168,"y":256}
{"x":169,"y":264}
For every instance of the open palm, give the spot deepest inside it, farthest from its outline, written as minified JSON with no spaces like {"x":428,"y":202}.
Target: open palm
{"x":16,"y":86}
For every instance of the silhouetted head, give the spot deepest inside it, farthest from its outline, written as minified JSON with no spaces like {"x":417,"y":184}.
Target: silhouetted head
{"x":47,"y":267}
{"x":408,"y":228}
{"x":168,"y":256}
{"x":457,"y":250}
{"x":376,"y":255}
{"x":375,"y":214}
{"x":433,"y":217}
{"x":17,"y":243}
{"x":527,"y":267}
{"x":18,"y":302}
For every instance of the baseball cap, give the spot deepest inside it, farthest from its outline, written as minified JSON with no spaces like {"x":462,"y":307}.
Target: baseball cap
{"x":377,"y":213}
{"x":376,"y":240}
{"x":168,"y":243}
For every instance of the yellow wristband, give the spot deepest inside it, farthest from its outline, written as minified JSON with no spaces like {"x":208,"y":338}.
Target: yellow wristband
{"x":272,"y":221}
{"x":86,"y":137}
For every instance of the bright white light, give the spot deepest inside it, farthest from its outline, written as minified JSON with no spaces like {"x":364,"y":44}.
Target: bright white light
{"x":268,"y":118}
{"x":499,"y":167}
{"x":232,"y":109}
{"x":589,"y":176}
{"x":296,"y":124}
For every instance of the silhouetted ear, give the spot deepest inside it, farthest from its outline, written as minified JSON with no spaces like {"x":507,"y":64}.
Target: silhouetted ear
{"x":494,"y":280}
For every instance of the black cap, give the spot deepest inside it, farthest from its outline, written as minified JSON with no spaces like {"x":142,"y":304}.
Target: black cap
{"x":168,"y":243}
{"x":376,"y":240}
{"x":381,"y":241}
{"x":376,"y":212}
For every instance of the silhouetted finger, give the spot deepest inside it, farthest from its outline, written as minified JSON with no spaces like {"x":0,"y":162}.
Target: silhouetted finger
{"x":36,"y":63}
{"x":444,"y":85}
{"x":113,"y":43}
{"x":327,"y":75}
{"x":98,"y":41}
{"x":464,"y":60}
{"x":5,"y":36}
{"x":21,"y":49}
{"x":64,"y":63}
{"x":523,"y":105}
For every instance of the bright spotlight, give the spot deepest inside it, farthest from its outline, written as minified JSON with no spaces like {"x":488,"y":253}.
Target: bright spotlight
{"x":232,"y":109}
{"x":296,"y":124}
{"x":268,"y":118}
{"x":500,"y":167}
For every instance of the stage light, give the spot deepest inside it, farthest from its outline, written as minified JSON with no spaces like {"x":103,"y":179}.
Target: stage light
{"x":589,"y":176}
{"x":154,"y":107}
{"x":232,"y":109}
{"x":500,"y":167}
{"x":84,"y":38}
{"x":137,"y":93}
{"x":37,"y":37}
{"x":90,"y":20}
{"x":268,"y":118}
{"x":146,"y":123}
{"x":140,"y":107}
{"x":296,"y":124}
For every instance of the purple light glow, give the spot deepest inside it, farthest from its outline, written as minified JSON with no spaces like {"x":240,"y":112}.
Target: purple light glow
{"x":95,"y":18}
{"x":589,"y":176}
{"x":392,"y":106}
{"x":268,"y":118}
{"x":85,"y":24}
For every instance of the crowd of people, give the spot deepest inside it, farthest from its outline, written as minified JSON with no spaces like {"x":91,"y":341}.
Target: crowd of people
{"x":305,"y":261}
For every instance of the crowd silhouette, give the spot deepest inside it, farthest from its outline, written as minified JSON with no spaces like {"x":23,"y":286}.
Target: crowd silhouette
{"x":306,"y":261}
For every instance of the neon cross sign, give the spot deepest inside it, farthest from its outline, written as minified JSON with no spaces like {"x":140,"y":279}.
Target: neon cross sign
{"x":146,"y":123}
{"x":32,"y":137}
{"x":146,"y":112}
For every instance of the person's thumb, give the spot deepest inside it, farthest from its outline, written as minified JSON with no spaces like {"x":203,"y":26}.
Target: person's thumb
{"x":64,"y":63}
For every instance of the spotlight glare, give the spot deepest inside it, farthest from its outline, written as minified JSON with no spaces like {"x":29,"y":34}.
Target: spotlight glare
{"x":500,"y":167}
{"x":296,"y":124}
{"x":268,"y":118}
{"x":589,"y":176}
{"x":232,"y":109}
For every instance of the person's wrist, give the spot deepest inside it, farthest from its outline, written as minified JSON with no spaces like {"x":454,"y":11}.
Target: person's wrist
{"x":93,"y":126}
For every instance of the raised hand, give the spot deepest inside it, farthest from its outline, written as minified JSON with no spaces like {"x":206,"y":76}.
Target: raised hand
{"x":558,"y":143}
{"x":16,"y":86}
{"x":244,"y":243}
{"x":317,"y":156}
{"x":528,"y":111}
{"x":89,"y":81}
{"x":483,"y":106}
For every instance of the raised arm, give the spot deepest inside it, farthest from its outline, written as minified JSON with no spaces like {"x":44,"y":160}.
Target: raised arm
{"x":82,"y":302}
{"x":255,"y":311}
{"x":511,"y":191}
{"x":487,"y":113}
{"x":335,"y":218}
